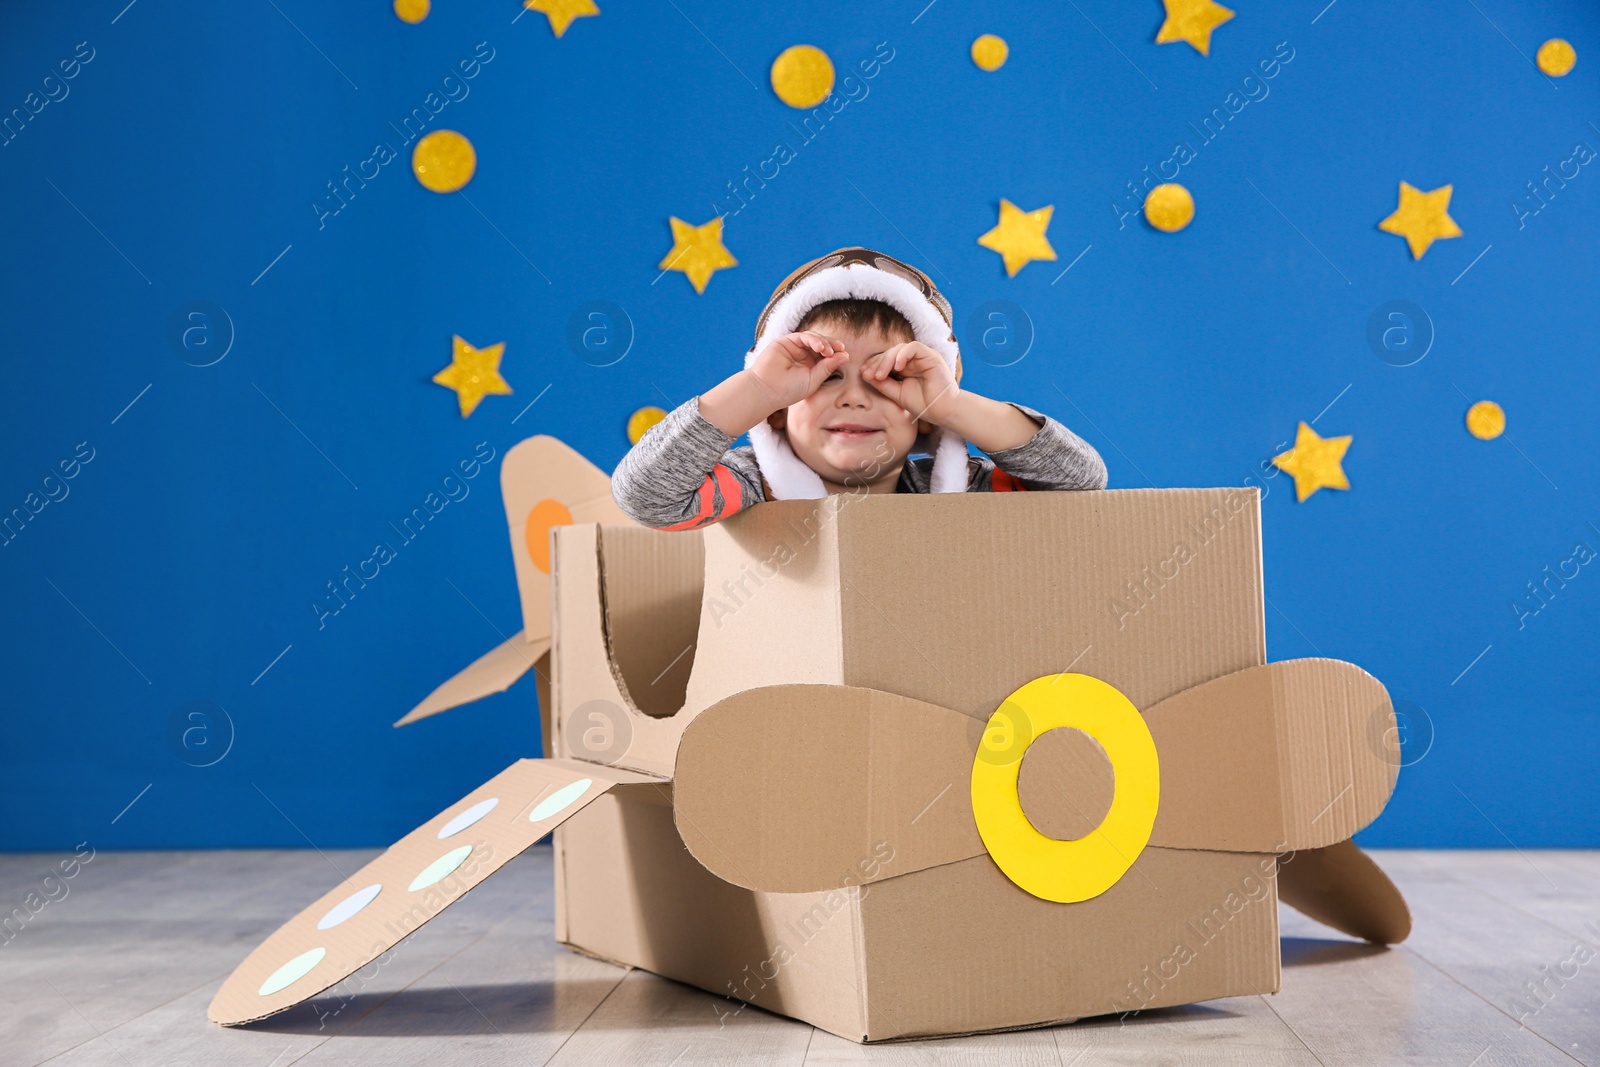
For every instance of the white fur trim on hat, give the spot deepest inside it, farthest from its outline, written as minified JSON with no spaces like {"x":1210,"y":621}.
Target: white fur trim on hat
{"x":786,"y":473}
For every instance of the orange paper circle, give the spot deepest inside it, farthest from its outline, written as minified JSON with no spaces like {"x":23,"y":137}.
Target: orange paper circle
{"x":412,"y":11}
{"x":1486,"y":420}
{"x":444,"y":161}
{"x":642,"y":420}
{"x":989,"y":52}
{"x":802,"y":76}
{"x":545,"y":514}
{"x":1556,"y":57}
{"x":1169,"y":207}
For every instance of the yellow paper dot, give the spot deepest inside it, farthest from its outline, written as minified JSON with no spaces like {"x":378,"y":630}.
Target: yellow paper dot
{"x":802,"y":76}
{"x":642,"y":420}
{"x":989,"y":52}
{"x":1169,"y":207}
{"x":1556,"y":57}
{"x":412,"y":11}
{"x":1486,"y":420}
{"x":444,"y":161}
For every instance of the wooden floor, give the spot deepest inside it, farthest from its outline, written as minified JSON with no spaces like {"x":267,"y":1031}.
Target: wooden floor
{"x":120,"y":970}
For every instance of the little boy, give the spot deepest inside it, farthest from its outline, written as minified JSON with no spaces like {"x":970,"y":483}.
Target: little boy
{"x":855,"y":367}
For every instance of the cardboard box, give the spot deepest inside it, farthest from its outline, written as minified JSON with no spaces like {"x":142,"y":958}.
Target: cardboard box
{"x":906,"y":766}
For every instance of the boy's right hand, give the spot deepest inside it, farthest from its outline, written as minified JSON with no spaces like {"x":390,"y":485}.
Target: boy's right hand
{"x":792,"y":367}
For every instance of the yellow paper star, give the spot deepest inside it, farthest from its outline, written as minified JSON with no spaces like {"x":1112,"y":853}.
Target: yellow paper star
{"x":1192,"y":21}
{"x":1422,"y":217}
{"x":1019,"y":238}
{"x":1316,"y":462}
{"x":562,"y":12}
{"x":697,"y":251}
{"x":473,"y":373}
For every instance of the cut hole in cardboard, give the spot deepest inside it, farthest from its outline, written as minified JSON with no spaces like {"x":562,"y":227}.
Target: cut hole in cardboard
{"x":1066,"y":784}
{"x":650,"y":587}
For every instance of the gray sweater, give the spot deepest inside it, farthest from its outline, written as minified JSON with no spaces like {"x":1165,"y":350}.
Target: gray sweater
{"x":684,"y":474}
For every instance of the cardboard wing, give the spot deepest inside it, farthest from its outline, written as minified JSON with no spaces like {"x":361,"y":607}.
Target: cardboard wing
{"x":493,"y":672}
{"x":544,"y":484}
{"x":1279,"y":758}
{"x":418,"y":877}
{"x":1340,"y":886}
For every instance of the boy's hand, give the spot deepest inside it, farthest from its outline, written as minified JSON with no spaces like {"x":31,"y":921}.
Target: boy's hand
{"x":915,"y":377}
{"x":792,"y":367}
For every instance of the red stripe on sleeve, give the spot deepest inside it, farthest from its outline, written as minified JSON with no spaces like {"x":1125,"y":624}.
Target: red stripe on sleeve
{"x":1005,"y":483}
{"x":732,"y":495}
{"x":705,"y":509}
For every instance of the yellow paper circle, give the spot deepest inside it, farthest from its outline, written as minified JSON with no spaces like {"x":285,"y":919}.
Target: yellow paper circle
{"x":1169,"y":207}
{"x":642,"y":420}
{"x":1066,"y":871}
{"x":412,"y":11}
{"x":1486,"y":420}
{"x":802,"y":76}
{"x":1556,"y":57}
{"x":989,"y":52}
{"x":536,"y":533}
{"x":444,"y":161}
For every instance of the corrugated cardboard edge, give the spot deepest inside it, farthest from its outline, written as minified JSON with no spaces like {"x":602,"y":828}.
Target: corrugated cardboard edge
{"x":858,"y":940}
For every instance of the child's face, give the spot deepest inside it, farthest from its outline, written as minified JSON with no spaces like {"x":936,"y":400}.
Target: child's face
{"x":847,"y":431}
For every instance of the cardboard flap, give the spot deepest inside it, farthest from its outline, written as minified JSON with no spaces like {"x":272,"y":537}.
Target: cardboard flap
{"x":493,"y":672}
{"x":789,"y":788}
{"x":418,"y":877}
{"x":1340,"y":886}
{"x":1291,"y":755}
{"x":546,"y":483}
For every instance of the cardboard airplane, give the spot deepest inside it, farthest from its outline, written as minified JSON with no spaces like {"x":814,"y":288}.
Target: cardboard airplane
{"x":898,"y":765}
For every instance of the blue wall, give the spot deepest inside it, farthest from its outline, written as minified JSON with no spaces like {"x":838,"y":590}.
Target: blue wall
{"x":189,"y":150}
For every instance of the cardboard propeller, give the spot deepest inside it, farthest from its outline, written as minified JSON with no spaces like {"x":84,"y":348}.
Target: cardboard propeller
{"x":784,"y":788}
{"x":544,"y":483}
{"x":418,"y":877}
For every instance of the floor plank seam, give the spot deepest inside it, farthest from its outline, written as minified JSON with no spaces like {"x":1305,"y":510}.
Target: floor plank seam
{"x":1290,"y":1027}
{"x":585,"y":1022}
{"x":99,"y":1035}
{"x":1483,"y":914}
{"x":189,"y":857}
{"x":126,"y":1022}
{"x":502,"y":1033}
{"x":1521,"y":1026}
{"x":1513,"y":905}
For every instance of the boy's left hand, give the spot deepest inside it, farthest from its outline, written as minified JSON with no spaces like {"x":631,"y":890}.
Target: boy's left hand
{"x":915,"y":377}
